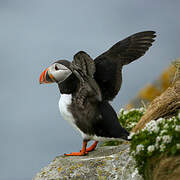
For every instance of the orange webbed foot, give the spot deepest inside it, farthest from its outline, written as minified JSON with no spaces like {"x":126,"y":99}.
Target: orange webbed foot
{"x":81,"y":153}
{"x":77,"y":154}
{"x":92,"y":147}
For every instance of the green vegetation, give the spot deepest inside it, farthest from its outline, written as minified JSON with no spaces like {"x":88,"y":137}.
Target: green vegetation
{"x":129,"y":119}
{"x":156,"y":138}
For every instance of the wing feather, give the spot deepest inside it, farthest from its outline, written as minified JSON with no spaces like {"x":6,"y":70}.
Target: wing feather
{"x":84,"y":68}
{"x":109,"y":64}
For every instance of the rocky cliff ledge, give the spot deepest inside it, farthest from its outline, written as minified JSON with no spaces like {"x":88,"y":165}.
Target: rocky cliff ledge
{"x":109,"y":162}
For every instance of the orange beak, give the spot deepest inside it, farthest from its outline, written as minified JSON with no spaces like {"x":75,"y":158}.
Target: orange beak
{"x":46,"y":77}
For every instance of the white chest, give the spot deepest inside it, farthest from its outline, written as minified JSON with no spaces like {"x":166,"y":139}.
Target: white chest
{"x":64,"y":102}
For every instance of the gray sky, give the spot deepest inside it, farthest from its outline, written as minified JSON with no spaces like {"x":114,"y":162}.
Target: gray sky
{"x":34,"y":34}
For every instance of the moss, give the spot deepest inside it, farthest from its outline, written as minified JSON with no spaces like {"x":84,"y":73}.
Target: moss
{"x":59,"y":169}
{"x":99,"y":171}
{"x":112,"y":143}
{"x":102,"y":163}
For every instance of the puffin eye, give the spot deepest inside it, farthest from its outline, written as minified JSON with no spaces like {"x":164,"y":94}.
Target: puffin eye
{"x":56,"y":68}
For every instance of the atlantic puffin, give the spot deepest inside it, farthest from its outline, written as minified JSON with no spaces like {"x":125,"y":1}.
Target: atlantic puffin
{"x":86,"y":87}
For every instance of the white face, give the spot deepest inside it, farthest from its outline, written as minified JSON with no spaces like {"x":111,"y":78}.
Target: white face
{"x":59,"y":72}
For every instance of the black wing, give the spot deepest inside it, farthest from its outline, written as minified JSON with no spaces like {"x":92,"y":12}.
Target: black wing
{"x":109,"y":64}
{"x":84,"y":68}
{"x":84,"y":64}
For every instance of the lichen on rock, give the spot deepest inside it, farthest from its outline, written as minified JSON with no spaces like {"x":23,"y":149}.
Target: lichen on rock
{"x":109,"y":162}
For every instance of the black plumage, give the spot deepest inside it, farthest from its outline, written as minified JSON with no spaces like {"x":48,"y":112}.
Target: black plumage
{"x":91,"y":84}
{"x":109,"y":64}
{"x":93,"y":116}
{"x":94,"y":83}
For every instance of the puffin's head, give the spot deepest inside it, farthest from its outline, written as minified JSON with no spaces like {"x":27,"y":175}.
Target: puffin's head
{"x":57,"y":72}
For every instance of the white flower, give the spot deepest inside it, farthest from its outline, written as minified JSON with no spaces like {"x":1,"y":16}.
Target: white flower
{"x":125,"y":112}
{"x":132,"y":109}
{"x":175,"y":120}
{"x":135,"y":173}
{"x":177,"y":128}
{"x":162,"y":147}
{"x":131,"y":135}
{"x":170,"y":119}
{"x":156,"y":129}
{"x":152,"y":126}
{"x":156,"y":145}
{"x":179,"y":116}
{"x":167,"y":139}
{"x":178,"y":146}
{"x":160,"y":120}
{"x":133,"y":153}
{"x":132,"y":125}
{"x":151,"y":148}
{"x":158,"y":138}
{"x":149,"y":124}
{"x":173,"y":126}
{"x":121,"y":110}
{"x":141,"y":109}
{"x":152,"y":122}
{"x":163,"y":132}
{"x":166,"y":126}
{"x":139,"y":148}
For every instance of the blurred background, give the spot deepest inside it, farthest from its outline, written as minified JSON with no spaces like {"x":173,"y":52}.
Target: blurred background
{"x":34,"y":34}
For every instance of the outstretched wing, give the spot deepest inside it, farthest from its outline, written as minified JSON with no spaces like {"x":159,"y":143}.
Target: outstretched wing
{"x":109,"y":64}
{"x":84,"y":68}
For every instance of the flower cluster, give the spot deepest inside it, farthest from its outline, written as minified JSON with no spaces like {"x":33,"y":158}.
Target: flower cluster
{"x":129,"y":119}
{"x":157,"y":137}
{"x":151,"y":127}
{"x":139,"y":148}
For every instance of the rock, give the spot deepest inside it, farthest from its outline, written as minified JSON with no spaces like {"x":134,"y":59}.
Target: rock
{"x":108,"y":162}
{"x":164,"y":105}
{"x":163,"y":167}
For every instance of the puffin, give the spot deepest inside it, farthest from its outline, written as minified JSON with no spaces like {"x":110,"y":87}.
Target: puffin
{"x":87,"y":86}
